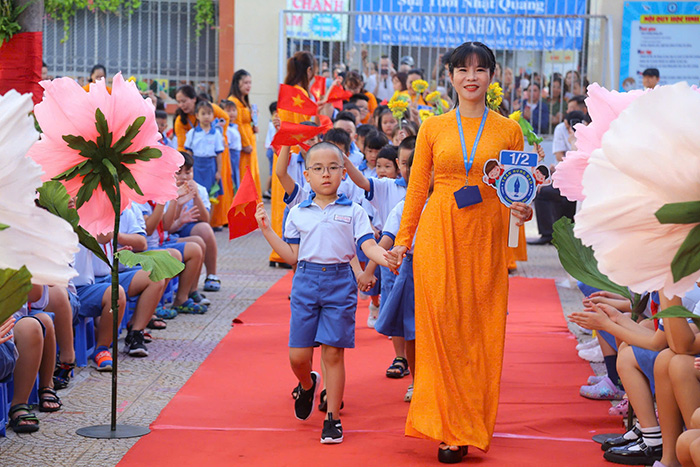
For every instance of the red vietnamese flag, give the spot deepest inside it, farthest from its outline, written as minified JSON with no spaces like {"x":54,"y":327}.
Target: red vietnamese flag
{"x":294,"y":100}
{"x":337,"y":95}
{"x":294,"y":134}
{"x":325,"y":123}
{"x":318,"y":89}
{"x":241,"y":216}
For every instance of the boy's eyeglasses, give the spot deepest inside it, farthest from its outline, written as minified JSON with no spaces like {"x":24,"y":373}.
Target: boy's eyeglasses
{"x":320,"y":170}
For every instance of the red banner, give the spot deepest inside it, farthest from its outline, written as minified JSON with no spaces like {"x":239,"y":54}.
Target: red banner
{"x":20,"y":64}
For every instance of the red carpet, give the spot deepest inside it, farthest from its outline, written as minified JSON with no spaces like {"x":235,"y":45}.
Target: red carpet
{"x":237,"y":409}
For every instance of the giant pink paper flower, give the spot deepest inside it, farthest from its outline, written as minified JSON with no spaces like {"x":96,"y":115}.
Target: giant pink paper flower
{"x":72,"y":123}
{"x":649,"y":158}
{"x":603,"y":107}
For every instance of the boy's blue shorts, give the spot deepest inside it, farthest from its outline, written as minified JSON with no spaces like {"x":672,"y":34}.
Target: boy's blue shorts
{"x":8,"y":359}
{"x":179,"y":246}
{"x":90,"y":297}
{"x":186,"y":229}
{"x":323,"y":303}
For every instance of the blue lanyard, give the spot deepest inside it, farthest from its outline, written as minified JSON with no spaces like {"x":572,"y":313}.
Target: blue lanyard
{"x":469,"y":162}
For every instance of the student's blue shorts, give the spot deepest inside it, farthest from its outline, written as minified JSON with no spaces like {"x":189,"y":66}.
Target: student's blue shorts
{"x":179,"y":246}
{"x":7,"y":360}
{"x":90,"y":297}
{"x":186,"y":229}
{"x":645,"y":359}
{"x":323,"y":303}
{"x":125,"y":278}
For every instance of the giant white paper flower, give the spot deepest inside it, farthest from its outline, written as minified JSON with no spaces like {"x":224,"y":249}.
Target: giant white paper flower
{"x":649,"y":157}
{"x":34,"y":238}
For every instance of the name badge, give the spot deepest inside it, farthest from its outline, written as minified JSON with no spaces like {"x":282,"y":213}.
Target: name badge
{"x":467,"y":196}
{"x":343,"y":219}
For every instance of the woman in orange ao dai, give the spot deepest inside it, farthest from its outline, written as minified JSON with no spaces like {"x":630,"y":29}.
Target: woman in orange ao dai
{"x":460,"y":264}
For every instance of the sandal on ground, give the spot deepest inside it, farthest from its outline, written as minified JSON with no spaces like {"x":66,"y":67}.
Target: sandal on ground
{"x":398,"y":368}
{"x":323,"y":406}
{"x":409,"y":394}
{"x":212,"y":283}
{"x":48,"y":396}
{"x":157,"y":323}
{"x":448,"y":456}
{"x":165,"y":313}
{"x":62,"y":375}
{"x":15,"y":422}
{"x":189,"y":307}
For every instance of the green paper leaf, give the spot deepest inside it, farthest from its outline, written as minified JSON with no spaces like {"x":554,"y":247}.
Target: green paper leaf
{"x":105,"y":138}
{"x":90,"y":183}
{"x":128,"y":178}
{"x":15,"y":286}
{"x":81,"y":169}
{"x":578,"y":260}
{"x":677,"y":311}
{"x":679,"y":213}
{"x":158,"y":262}
{"x":124,"y":142}
{"x":214,"y":190}
{"x":687,"y":259}
{"x":3,"y":226}
{"x":54,"y":197}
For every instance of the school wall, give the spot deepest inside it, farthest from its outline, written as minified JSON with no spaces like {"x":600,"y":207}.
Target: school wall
{"x":256,"y":50}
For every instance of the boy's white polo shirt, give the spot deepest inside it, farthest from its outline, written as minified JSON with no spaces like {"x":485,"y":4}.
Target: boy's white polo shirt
{"x":327,"y":236}
{"x":204,"y":144}
{"x":383,"y":195}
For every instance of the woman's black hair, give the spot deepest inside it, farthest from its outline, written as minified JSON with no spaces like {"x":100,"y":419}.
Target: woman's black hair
{"x":462,"y":55}
{"x":339,"y":137}
{"x":402,"y":77}
{"x":389,"y":153}
{"x":95,"y":68}
{"x":235,"y":89}
{"x":190,"y":93}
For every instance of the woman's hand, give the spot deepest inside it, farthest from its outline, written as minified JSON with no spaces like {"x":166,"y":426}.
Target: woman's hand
{"x":522,"y":211}
{"x":540,"y":152}
{"x":217,"y":176}
{"x":255,"y":129}
{"x":395,"y":257}
{"x":247,"y":149}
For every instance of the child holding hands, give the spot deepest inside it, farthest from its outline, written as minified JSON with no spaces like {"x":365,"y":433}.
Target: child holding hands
{"x":206,"y":143}
{"x":320,"y":236}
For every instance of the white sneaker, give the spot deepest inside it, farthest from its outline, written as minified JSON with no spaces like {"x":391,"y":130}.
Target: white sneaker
{"x":409,"y":394}
{"x":592,"y":355}
{"x":589,"y":344}
{"x":373,"y":315}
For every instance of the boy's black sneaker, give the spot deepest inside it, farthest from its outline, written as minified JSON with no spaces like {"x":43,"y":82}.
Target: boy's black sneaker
{"x":332,"y":431}
{"x":135,"y":345}
{"x":306,"y":399}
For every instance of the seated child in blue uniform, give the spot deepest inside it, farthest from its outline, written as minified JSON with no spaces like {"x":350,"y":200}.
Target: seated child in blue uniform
{"x":320,"y":237}
{"x":193,"y":198}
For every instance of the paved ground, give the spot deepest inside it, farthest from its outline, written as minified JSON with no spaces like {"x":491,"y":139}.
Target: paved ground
{"x":147,"y":385}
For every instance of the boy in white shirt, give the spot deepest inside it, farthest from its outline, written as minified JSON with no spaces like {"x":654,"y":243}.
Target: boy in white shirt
{"x":320,"y":235}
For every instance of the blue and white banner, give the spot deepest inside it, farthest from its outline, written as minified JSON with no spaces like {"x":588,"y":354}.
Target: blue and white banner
{"x":514,"y":24}
{"x":662,"y":35}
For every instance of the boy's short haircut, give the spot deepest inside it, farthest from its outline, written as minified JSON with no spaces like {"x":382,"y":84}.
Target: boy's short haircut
{"x":651,"y":72}
{"x":389,"y":152}
{"x":376,"y":140}
{"x":575,"y":117}
{"x":273,"y":107}
{"x":364,"y":130}
{"x":161,"y":114}
{"x":203,"y":104}
{"x":338,"y":136}
{"x":358,"y":97}
{"x":346,"y":115}
{"x":543,"y":169}
{"x":348,"y":106}
{"x":410,"y":159}
{"x":408,"y":142}
{"x":325,"y":145}
{"x":225,"y":103}
{"x":189,"y":160}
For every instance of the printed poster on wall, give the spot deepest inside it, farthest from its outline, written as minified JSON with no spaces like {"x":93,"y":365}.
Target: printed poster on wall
{"x":502,"y":24}
{"x":318,"y":24}
{"x":663,"y":35}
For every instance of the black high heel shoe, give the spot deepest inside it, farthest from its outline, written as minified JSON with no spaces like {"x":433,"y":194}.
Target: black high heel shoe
{"x":448,"y":456}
